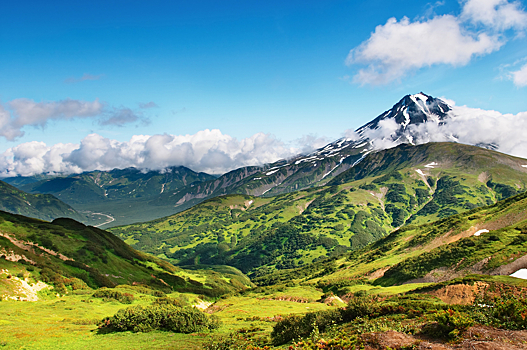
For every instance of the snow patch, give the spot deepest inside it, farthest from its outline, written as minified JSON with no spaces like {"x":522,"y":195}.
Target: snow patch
{"x":524,"y":166}
{"x":480,"y":232}
{"x":521,"y":273}
{"x":360,"y":159}
{"x":360,"y":145}
{"x":271,"y":172}
{"x":420,"y":172}
{"x":341,"y":159}
{"x":431,"y":165}
{"x":267,"y":191}
{"x":406,"y":118}
{"x":257,"y":178}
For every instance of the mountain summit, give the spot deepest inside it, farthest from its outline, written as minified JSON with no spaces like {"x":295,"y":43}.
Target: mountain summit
{"x":400,"y":124}
{"x":411,"y":110}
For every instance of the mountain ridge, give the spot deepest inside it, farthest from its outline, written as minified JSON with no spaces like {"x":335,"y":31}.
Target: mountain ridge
{"x":300,"y":172}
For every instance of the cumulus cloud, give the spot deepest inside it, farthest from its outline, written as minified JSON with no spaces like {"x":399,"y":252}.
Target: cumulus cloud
{"x":399,"y":47}
{"x":476,"y":126}
{"x":86,"y":76}
{"x":382,"y":135}
{"x":499,"y":15}
{"x":24,"y":112}
{"x":208,"y":150}
{"x":519,"y":77}
{"x":351,"y":134}
{"x":473,"y":126}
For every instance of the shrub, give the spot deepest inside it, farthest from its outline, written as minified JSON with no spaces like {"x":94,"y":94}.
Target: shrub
{"x":339,"y":342}
{"x":359,"y":307}
{"x":450,"y":324}
{"x":233,"y":341}
{"x":510,"y":313}
{"x":296,"y":327}
{"x":111,"y":294}
{"x":170,"y":301}
{"x":506,"y":311}
{"x":162,"y":317}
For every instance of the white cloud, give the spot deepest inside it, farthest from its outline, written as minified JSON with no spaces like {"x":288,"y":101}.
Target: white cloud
{"x":476,"y":126}
{"x":351,"y":135}
{"x":29,"y":112}
{"x":471,"y":126}
{"x":499,"y":15}
{"x":519,"y":77}
{"x":381,"y":135}
{"x":24,"y":112}
{"x":35,"y":157}
{"x":399,"y":47}
{"x":208,"y":151}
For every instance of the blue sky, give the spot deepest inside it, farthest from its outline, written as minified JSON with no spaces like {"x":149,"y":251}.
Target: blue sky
{"x":270,"y":76}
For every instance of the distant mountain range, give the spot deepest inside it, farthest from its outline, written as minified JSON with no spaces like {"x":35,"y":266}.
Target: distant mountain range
{"x":131,"y":195}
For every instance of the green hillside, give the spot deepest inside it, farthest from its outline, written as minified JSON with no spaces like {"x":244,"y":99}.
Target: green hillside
{"x":40,"y":206}
{"x":69,"y":253}
{"x":489,"y":240}
{"x":406,"y":184}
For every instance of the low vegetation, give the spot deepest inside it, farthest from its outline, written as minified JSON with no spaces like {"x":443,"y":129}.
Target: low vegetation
{"x":165,"y":317}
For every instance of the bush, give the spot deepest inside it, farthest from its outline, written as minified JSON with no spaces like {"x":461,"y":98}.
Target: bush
{"x":296,"y":327}
{"x":450,"y":324}
{"x":507,"y":311}
{"x":510,"y":313}
{"x":162,"y":317}
{"x":111,"y":294}
{"x":360,"y":307}
{"x":233,"y":341}
{"x":170,"y":301}
{"x":339,"y":342}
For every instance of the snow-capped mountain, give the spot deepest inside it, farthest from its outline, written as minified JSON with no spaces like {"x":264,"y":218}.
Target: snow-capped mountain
{"x":396,"y":125}
{"x":400,"y":124}
{"x":410,"y":111}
